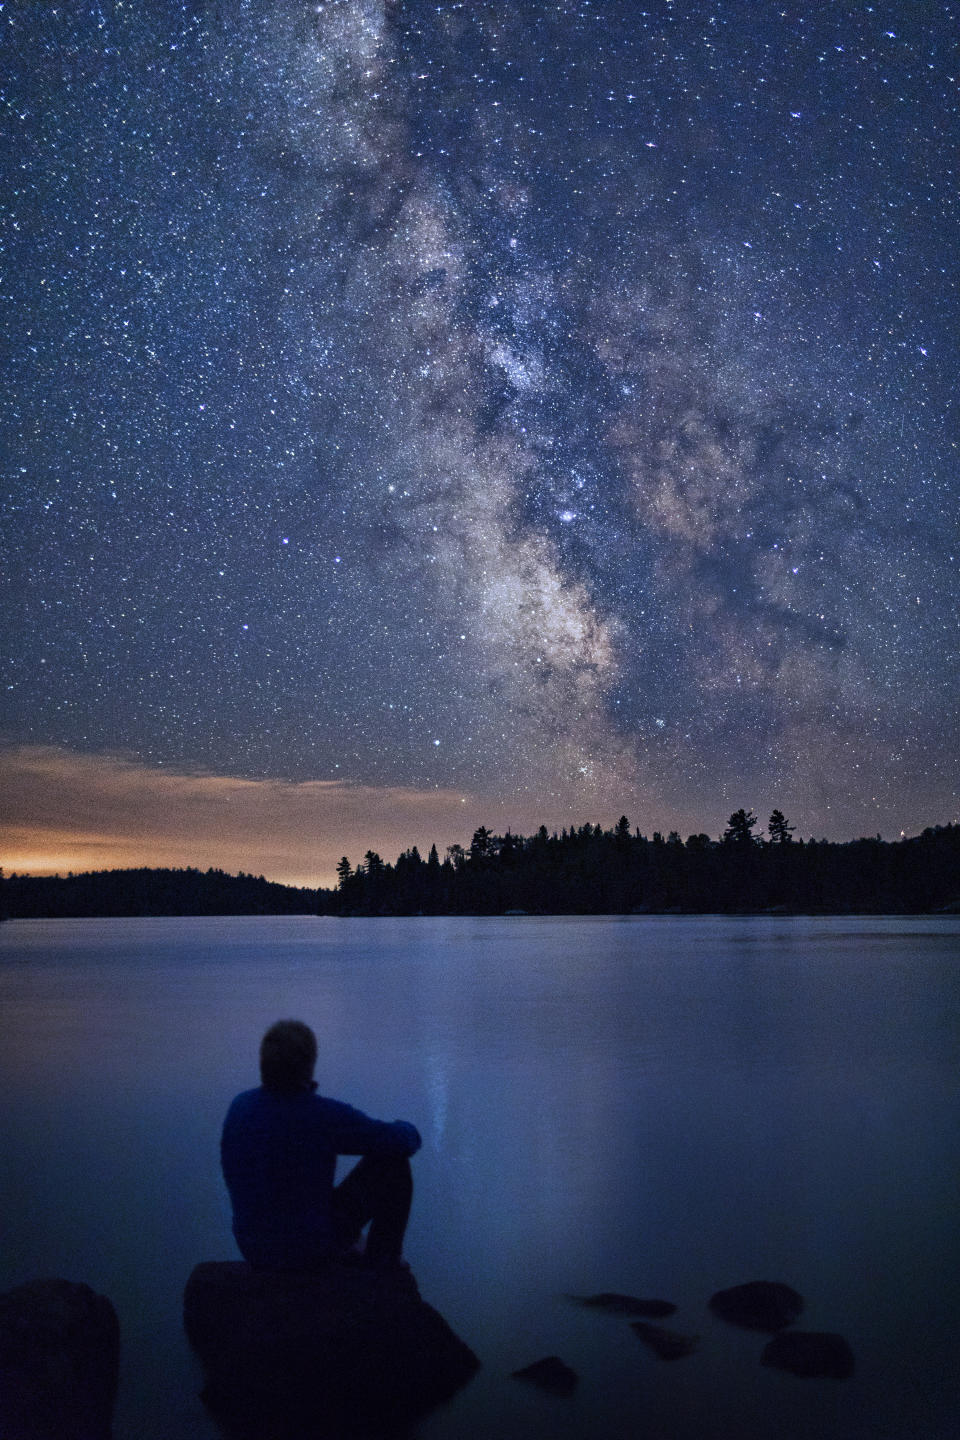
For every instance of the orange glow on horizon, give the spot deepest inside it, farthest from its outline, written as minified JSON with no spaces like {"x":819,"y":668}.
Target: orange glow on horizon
{"x":72,"y":812}
{"x":79,"y":856}
{"x":66,"y":812}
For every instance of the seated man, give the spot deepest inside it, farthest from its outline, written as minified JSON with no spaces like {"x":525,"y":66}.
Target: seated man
{"x":279,"y":1152}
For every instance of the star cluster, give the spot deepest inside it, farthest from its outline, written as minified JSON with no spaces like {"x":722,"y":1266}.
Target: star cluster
{"x":552,"y":402}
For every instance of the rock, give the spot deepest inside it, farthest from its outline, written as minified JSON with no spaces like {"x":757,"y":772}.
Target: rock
{"x":810,"y":1353}
{"x":551,"y":1374}
{"x":616,"y":1304}
{"x":59,"y":1360}
{"x":758,"y":1305}
{"x":668,"y":1344}
{"x":346,"y":1348}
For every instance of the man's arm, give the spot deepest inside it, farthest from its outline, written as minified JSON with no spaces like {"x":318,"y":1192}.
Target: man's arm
{"x":353,"y":1133}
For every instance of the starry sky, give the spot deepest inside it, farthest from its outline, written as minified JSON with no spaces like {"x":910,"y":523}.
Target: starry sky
{"x":426,"y":415}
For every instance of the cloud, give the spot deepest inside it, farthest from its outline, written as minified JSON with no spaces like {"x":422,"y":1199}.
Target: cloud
{"x":66,"y":811}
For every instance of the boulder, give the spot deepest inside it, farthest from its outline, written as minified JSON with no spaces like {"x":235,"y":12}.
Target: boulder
{"x":668,"y":1344}
{"x":810,"y":1354}
{"x":551,"y":1373}
{"x":59,"y":1361}
{"x":345,"y":1350}
{"x":759,"y":1305}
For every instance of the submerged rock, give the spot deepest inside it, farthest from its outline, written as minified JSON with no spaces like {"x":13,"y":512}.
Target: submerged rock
{"x":616,"y":1304}
{"x":758,"y":1305}
{"x":59,"y":1360}
{"x":551,"y":1373}
{"x":347,"y":1348}
{"x":668,"y":1344}
{"x":810,"y":1353}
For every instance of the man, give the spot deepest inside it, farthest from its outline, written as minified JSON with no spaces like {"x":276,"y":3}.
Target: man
{"x":279,"y":1151}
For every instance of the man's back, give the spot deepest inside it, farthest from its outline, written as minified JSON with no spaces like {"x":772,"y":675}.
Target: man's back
{"x":279,"y":1154}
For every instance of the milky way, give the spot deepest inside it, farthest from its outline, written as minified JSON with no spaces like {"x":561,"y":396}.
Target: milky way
{"x":550,"y":402}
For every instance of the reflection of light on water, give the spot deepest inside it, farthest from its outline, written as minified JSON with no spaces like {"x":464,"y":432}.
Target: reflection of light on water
{"x":441,"y":997}
{"x":438,"y":1088}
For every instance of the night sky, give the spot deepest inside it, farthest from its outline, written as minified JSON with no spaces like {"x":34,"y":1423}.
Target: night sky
{"x":426,"y":415}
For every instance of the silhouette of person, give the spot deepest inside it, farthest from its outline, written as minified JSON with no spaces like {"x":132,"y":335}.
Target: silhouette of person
{"x":279,"y":1151}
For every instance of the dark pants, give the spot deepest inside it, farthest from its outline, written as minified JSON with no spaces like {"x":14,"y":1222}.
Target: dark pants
{"x":378,"y":1192}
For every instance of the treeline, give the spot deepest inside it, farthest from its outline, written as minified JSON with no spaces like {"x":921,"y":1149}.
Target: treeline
{"x":588,"y":870}
{"x":581,"y":871}
{"x":149,"y":892}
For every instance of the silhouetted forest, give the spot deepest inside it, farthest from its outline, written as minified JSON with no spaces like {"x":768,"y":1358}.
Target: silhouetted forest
{"x":580,"y":871}
{"x":590,"y":871}
{"x":150,"y":892}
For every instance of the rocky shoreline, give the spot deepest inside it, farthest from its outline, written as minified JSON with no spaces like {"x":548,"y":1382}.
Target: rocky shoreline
{"x":347,"y":1351}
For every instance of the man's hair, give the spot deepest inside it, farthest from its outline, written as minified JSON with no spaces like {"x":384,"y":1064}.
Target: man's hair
{"x":288,"y":1053}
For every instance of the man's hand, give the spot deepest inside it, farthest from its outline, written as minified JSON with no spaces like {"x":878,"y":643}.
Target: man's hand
{"x":411,"y":1134}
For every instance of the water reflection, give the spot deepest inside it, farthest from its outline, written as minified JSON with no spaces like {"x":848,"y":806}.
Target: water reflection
{"x":655,"y":1106}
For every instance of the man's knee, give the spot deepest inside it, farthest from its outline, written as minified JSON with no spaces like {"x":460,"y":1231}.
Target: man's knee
{"x":389,"y":1176}
{"x":395,"y":1164}
{"x":374,"y":1176}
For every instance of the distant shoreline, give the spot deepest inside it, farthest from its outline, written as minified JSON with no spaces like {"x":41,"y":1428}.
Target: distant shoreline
{"x":946,"y":911}
{"x":581,"y":871}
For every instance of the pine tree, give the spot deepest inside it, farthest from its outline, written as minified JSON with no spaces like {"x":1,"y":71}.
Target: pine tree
{"x":739,"y":829}
{"x":780,"y":832}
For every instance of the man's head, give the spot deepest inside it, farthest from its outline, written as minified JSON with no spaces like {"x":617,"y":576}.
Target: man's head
{"x":288,"y":1053}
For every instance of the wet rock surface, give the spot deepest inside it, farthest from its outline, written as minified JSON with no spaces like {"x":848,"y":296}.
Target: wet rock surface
{"x":810,"y":1354}
{"x":667,"y":1344}
{"x":613,"y":1303}
{"x":59,"y":1360}
{"x":758,"y":1305}
{"x":551,"y":1373}
{"x":346,"y":1349}
{"x":765,"y":1305}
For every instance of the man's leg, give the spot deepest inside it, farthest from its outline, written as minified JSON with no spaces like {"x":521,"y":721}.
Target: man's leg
{"x":377,"y":1190}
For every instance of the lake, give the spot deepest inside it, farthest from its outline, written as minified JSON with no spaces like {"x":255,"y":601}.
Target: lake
{"x":663,"y":1106}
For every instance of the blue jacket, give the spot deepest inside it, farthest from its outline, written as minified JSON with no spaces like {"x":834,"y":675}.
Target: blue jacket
{"x":279,"y":1155}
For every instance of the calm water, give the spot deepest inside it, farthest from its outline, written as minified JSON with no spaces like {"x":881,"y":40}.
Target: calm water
{"x":661,"y":1106}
